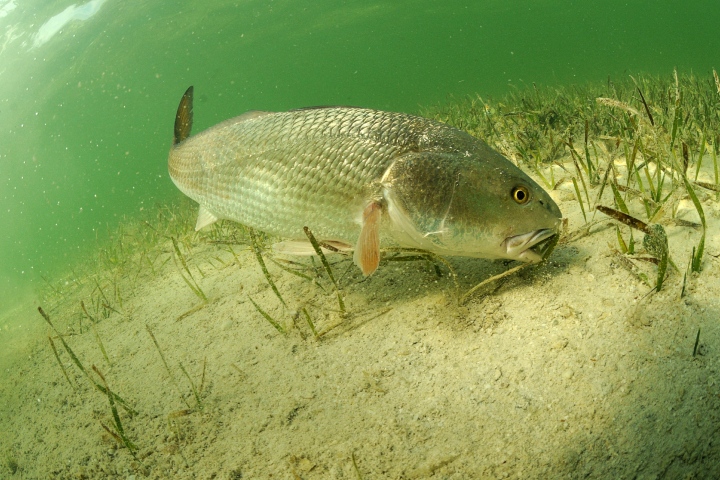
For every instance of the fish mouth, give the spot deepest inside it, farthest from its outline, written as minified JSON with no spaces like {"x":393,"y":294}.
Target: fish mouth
{"x":531,"y":247}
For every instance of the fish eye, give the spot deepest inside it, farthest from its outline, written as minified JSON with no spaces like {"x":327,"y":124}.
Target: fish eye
{"x":520,"y":194}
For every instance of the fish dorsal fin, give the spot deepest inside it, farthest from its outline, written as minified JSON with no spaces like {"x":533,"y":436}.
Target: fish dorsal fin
{"x":205,"y":218}
{"x":367,"y":251}
{"x":184,"y":117}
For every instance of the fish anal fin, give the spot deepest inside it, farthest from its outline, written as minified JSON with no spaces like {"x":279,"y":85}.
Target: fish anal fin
{"x":367,"y":250}
{"x":205,"y":218}
{"x":184,"y":117}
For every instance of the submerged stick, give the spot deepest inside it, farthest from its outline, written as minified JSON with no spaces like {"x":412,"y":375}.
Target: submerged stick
{"x":194,"y":309}
{"x":355,"y":466}
{"x":656,"y":243}
{"x":267,"y":317}
{"x":118,"y":424}
{"x":628,"y":220}
{"x":167,"y":368}
{"x":77,"y":362}
{"x":709,"y":186}
{"x":325,"y":263}
{"x":494,"y":278}
{"x":194,"y":285}
{"x":647,"y":109}
{"x":697,"y":257}
{"x":102,"y":293}
{"x":202,"y":379}
{"x":434,"y":258}
{"x":192,"y":386}
{"x":294,"y":272}
{"x":57,"y":357}
{"x":51,"y":285}
{"x":117,"y":437}
{"x":97,"y":335}
{"x":697,"y":341}
{"x":310,"y":322}
{"x":258,"y":256}
{"x":655,"y":240}
{"x":579,"y":198}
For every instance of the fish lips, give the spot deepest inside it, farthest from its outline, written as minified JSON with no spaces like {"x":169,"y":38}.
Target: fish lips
{"x":531,"y":247}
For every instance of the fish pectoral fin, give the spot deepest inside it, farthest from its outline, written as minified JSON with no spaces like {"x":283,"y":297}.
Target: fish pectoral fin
{"x":205,"y":218}
{"x":367,"y":250}
{"x":305,"y":248}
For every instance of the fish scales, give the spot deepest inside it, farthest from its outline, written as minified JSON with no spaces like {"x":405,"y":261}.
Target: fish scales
{"x":275,"y":172}
{"x":360,"y":177}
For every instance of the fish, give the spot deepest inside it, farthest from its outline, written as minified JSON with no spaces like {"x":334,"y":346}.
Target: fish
{"x":361,"y":180}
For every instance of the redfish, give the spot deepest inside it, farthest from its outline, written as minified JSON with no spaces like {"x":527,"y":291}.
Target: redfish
{"x":360,"y":179}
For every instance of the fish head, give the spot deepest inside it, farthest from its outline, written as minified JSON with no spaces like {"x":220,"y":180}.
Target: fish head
{"x":474,"y":204}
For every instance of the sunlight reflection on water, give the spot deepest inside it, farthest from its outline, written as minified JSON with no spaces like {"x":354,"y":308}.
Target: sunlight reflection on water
{"x":56,"y":23}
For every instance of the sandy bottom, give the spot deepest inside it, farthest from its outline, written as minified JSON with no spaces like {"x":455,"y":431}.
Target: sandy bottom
{"x":570,"y":369}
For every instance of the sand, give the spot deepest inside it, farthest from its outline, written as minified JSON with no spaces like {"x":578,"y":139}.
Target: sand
{"x":570,"y":369}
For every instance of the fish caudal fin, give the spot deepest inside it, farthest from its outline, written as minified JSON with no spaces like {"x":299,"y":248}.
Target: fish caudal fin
{"x":367,"y":250}
{"x":184,"y":117}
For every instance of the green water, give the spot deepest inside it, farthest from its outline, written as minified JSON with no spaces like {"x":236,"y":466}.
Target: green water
{"x":88,"y":91}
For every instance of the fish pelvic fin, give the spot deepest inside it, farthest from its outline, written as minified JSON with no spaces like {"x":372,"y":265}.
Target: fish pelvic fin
{"x":205,"y":218}
{"x":367,"y":250}
{"x":184,"y":117}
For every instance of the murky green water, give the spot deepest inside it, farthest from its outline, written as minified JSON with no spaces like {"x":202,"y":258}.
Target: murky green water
{"x":88,"y":91}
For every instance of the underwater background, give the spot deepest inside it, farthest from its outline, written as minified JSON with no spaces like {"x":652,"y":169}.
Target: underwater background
{"x":163,"y":352}
{"x":88,"y":90}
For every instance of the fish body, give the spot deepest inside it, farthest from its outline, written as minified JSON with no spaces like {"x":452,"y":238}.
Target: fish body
{"x":361,"y":178}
